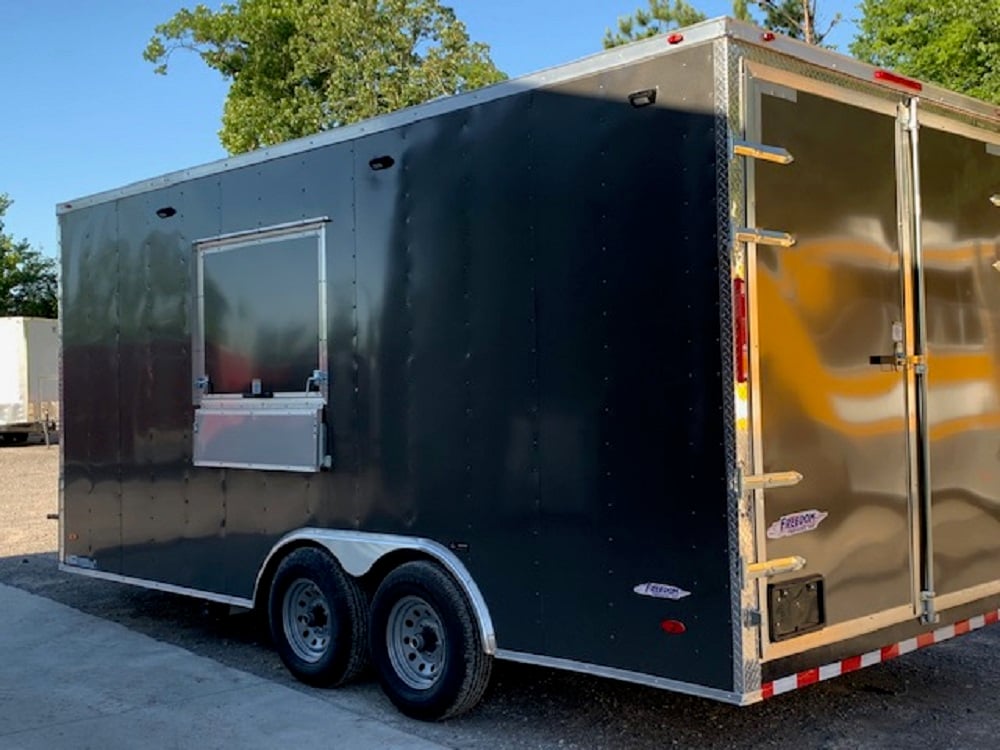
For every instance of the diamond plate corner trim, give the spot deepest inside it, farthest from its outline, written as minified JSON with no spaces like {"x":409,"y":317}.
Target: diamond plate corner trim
{"x":730,"y":207}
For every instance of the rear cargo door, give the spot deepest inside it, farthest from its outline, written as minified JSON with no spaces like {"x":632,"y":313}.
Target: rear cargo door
{"x":960,"y":190}
{"x":827,"y":310}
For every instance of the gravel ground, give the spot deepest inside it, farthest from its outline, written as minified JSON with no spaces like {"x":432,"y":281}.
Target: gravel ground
{"x":943,"y":697}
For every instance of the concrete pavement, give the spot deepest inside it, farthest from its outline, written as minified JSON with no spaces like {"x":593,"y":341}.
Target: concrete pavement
{"x":70,"y":680}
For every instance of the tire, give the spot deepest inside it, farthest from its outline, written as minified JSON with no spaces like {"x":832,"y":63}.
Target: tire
{"x":426,"y":645}
{"x":318,"y":619}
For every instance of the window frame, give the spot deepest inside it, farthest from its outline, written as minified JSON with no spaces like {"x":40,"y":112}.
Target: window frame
{"x":314,"y":227}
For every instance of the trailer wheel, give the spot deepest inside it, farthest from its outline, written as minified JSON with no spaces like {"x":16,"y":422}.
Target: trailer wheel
{"x":318,"y":619}
{"x":426,"y":644}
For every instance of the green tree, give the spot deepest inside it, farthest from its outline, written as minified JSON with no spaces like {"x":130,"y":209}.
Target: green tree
{"x":661,"y":16}
{"x":795,"y":18}
{"x":954,"y":43}
{"x":798,"y":19}
{"x":298,"y":67}
{"x":28,"y":281}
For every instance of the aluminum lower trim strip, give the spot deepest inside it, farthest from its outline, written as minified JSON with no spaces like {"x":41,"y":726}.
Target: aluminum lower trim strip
{"x":625,"y":675}
{"x":169,"y":588}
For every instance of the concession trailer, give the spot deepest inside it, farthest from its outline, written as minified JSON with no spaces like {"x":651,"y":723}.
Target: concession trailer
{"x":679,"y":365}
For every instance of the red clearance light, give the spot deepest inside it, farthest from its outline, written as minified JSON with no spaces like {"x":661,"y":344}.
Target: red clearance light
{"x":741,"y":343}
{"x":767,"y":36}
{"x":675,"y":39}
{"x":886,"y":76}
{"x":673,"y":627}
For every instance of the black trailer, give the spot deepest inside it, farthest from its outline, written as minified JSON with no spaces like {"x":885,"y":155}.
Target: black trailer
{"x":679,"y":365}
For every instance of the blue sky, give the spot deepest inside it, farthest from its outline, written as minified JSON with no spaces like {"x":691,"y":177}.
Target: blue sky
{"x":83,"y":112}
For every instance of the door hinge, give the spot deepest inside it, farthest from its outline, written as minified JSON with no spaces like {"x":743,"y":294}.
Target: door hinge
{"x":928,"y":615}
{"x":910,"y":119}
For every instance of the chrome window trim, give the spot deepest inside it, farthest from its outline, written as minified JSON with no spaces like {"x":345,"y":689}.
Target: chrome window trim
{"x":312,"y":227}
{"x":304,"y":226}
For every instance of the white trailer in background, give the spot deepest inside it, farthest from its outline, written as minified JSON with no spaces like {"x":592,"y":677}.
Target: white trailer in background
{"x":29,"y":378}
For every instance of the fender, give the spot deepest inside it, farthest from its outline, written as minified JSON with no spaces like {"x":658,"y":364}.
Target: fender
{"x":358,"y":551}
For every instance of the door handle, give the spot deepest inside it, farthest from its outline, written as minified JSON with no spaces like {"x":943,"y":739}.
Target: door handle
{"x":882,"y":360}
{"x":899,"y":361}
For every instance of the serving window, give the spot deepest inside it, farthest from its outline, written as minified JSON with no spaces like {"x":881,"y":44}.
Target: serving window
{"x":259,"y":350}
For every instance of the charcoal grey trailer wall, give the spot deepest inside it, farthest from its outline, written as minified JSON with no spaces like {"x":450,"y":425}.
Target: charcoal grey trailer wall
{"x":525,"y":362}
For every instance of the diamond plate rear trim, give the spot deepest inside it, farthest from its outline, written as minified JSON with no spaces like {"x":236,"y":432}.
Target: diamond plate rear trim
{"x":730,"y":189}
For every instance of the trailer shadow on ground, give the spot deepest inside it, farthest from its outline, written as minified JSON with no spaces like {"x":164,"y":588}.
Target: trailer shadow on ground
{"x":934,"y":696}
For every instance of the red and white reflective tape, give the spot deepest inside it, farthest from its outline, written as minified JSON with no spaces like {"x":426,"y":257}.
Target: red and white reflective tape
{"x":854,"y":663}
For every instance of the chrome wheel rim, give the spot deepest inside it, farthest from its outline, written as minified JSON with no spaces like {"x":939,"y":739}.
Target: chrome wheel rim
{"x":416,"y":642}
{"x":306,"y":616}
